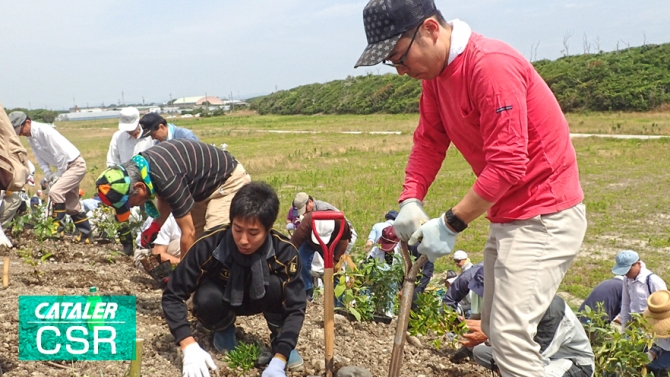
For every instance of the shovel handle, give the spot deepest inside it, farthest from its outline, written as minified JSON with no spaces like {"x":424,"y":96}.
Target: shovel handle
{"x":328,"y":252}
{"x":329,"y":294}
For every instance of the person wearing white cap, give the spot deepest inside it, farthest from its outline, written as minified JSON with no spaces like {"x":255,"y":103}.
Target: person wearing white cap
{"x":462,"y":261}
{"x":126,"y":142}
{"x":307,"y":244}
{"x":52,"y":149}
{"x":305,"y":204}
{"x":638,"y":284}
{"x":657,"y":315}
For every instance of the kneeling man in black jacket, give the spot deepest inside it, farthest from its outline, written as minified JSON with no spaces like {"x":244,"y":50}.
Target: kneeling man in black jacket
{"x":244,"y":268}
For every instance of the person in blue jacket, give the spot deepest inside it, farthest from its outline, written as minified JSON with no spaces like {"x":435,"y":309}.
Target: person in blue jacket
{"x":159,"y":129}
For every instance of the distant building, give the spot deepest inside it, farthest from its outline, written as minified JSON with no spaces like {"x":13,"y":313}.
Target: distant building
{"x":197,"y":101}
{"x":89,"y":115}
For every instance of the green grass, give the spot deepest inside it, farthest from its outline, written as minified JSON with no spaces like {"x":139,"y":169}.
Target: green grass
{"x":625,"y":181}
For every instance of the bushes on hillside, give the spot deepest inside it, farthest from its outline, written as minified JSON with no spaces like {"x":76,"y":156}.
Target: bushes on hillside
{"x":634,"y":79}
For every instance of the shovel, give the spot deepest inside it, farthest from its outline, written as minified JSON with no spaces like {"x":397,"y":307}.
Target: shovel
{"x":411,"y":270}
{"x":329,"y":294}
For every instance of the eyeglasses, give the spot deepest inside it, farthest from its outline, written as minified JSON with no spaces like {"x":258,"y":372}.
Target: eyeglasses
{"x":401,"y":62}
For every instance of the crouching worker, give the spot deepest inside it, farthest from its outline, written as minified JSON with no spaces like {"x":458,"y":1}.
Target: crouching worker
{"x":243,"y":269}
{"x":564,"y":347}
{"x":158,"y":259}
{"x":658,"y":316}
{"x":327,"y":230}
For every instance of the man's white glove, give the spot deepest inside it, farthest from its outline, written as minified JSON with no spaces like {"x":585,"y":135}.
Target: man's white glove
{"x":409,"y":219}
{"x":275,"y":368}
{"x":437,"y":239}
{"x":4,"y":241}
{"x":48,"y":176}
{"x":196,"y":361}
{"x":290,"y":226}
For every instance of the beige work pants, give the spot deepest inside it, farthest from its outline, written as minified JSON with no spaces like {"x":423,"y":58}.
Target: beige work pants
{"x":13,"y":156}
{"x":66,"y":189}
{"x":215,"y":210}
{"x":524,"y":263}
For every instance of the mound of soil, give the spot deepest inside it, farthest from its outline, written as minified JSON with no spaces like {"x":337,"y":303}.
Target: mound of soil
{"x":52,"y":266}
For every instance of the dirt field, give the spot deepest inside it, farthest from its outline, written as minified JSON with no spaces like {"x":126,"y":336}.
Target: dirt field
{"x":74,"y":268}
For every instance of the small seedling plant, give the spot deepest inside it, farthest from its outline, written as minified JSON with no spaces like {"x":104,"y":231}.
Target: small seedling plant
{"x":618,"y":353}
{"x":105,"y":222}
{"x":382,"y":281}
{"x":432,"y":318}
{"x":352,"y":295}
{"x":44,"y":228}
{"x":243,"y":357}
{"x":18,"y":224}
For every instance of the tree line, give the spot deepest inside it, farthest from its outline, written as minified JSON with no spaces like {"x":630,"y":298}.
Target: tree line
{"x":632,"y":79}
{"x":39,"y":115}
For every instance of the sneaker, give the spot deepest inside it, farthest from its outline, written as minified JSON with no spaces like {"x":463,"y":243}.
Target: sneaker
{"x":461,"y":355}
{"x":224,"y":340}
{"x":310,"y":294}
{"x":264,"y":358}
{"x":128,"y":249}
{"x":294,"y":360}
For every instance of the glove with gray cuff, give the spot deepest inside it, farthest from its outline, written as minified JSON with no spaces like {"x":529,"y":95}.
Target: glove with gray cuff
{"x":409,"y":219}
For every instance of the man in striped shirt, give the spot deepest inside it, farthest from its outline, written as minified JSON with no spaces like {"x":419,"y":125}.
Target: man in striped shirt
{"x":191,"y":180}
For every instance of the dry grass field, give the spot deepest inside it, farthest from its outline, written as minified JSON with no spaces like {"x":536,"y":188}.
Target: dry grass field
{"x":625,"y":181}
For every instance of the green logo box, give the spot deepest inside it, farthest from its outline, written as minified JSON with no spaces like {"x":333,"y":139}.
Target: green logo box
{"x":77,"y":328}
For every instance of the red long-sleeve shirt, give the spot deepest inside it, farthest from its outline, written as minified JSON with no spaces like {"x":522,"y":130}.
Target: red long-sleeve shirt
{"x":499,"y":113}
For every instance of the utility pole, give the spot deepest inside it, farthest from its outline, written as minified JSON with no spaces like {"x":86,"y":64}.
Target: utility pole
{"x":123,"y":100}
{"x":232,"y":104}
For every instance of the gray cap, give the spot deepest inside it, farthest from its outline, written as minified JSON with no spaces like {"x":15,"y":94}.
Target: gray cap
{"x":17,"y":118}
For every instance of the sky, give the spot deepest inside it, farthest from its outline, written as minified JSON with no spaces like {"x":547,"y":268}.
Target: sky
{"x":58,"y":53}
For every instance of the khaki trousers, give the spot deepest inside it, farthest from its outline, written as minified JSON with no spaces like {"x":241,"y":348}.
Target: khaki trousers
{"x":524,"y":263}
{"x":13,"y":156}
{"x":66,"y":189}
{"x":215,"y":210}
{"x":10,"y":205}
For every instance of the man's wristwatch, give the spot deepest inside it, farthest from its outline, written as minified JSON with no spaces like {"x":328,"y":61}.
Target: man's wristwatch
{"x":454,"y":221}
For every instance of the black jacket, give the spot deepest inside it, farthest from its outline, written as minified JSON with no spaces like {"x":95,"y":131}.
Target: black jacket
{"x":200,"y":262}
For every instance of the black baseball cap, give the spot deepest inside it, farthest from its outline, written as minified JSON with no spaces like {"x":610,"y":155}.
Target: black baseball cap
{"x":385,"y":21}
{"x":150,"y":122}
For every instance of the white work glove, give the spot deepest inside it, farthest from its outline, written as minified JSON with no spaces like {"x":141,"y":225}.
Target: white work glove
{"x":290,"y":226}
{"x":4,"y":241}
{"x":275,"y":368}
{"x":435,"y":237}
{"x":196,"y":361}
{"x":409,"y":219}
{"x":48,"y":176}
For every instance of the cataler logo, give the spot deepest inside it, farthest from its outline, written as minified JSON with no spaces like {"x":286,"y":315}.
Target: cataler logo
{"x":77,"y":327}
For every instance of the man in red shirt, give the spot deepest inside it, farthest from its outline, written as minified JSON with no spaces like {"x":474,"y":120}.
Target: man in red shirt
{"x":484,"y":97}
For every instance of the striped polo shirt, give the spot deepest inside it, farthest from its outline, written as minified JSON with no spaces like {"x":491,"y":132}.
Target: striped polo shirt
{"x":185,"y":171}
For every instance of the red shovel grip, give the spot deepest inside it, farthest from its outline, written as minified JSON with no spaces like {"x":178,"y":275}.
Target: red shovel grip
{"x":328,"y":252}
